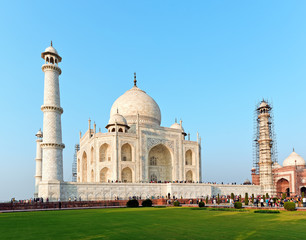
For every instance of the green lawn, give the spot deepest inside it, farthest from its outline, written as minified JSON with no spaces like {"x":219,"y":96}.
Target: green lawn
{"x":152,"y":223}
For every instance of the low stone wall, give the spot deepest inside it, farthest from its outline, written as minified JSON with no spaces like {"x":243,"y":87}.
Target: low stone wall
{"x":81,"y":204}
{"x":110,"y":191}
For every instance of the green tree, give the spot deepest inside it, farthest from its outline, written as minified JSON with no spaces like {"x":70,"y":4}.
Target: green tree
{"x":253,"y":198}
{"x":246,"y":199}
{"x":218,"y":199}
{"x":232,"y":196}
{"x":207,"y":199}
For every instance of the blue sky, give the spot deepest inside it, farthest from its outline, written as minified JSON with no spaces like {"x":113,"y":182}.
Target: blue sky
{"x":206,"y":62}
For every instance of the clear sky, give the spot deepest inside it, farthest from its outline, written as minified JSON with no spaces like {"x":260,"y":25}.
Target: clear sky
{"x":206,"y":62}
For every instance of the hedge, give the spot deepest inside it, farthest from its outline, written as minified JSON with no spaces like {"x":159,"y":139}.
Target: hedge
{"x":238,"y":205}
{"x":289,"y":206}
{"x":147,"y":203}
{"x":201,"y":204}
{"x":132,"y":203}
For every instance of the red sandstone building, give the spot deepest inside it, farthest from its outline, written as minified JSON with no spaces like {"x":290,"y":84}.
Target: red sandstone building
{"x":289,"y":178}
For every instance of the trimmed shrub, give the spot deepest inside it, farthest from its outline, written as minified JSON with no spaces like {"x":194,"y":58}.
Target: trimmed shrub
{"x":237,"y":205}
{"x":132,"y":203}
{"x":201,"y":204}
{"x":147,"y":203}
{"x":266,"y":211}
{"x":176,"y":203}
{"x":232,"y":196}
{"x":289,"y":206}
{"x":218,"y":199}
{"x":246,"y":199}
{"x":206,"y":199}
{"x":253,"y":198}
{"x":303,"y":194}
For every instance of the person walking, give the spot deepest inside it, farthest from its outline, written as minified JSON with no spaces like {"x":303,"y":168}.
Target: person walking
{"x":304,"y":201}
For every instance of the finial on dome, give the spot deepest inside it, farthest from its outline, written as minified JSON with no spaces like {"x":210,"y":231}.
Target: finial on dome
{"x":51,"y":44}
{"x":175,"y":120}
{"x":293,"y":149}
{"x":135,"y":81}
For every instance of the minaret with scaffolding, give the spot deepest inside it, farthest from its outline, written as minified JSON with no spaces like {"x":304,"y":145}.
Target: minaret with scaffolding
{"x":265,"y":147}
{"x":74,"y":163}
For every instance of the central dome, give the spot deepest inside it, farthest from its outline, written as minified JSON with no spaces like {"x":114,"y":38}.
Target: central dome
{"x":136,"y":101}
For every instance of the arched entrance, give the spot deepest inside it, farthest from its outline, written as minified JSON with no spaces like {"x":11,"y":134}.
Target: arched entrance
{"x":104,"y":175}
{"x":188,"y":157}
{"x":126,"y":152}
{"x":104,"y":153}
{"x":282,"y":186}
{"x":160,"y":164}
{"x":126,"y":175}
{"x":84,"y":167}
{"x":189,"y":176}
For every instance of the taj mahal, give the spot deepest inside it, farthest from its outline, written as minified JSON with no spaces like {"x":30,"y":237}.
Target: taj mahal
{"x":134,"y":156}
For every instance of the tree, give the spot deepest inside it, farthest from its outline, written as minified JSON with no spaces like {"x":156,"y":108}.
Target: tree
{"x":253,"y":198}
{"x":232,"y":196}
{"x":206,"y":199}
{"x":218,"y":199}
{"x":246,"y":199}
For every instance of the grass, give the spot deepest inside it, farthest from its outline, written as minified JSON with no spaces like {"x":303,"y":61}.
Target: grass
{"x":151,"y":223}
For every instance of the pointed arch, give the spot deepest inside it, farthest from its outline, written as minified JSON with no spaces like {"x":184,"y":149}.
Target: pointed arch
{"x":51,"y":60}
{"x":160,"y":163}
{"x":92,"y":176}
{"x":126,"y":152}
{"x":84,"y":167}
{"x":188,"y":157}
{"x":189,"y":176}
{"x":104,"y":153}
{"x":104,"y":175}
{"x":126,"y":175}
{"x":282,"y":186}
{"x":92,"y":156}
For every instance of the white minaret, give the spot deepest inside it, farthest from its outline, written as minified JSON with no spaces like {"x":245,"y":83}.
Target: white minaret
{"x":52,"y":146}
{"x":38,"y":160}
{"x":265,"y":144}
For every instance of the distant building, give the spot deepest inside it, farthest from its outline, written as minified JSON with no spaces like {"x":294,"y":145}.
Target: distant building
{"x":271,"y":176}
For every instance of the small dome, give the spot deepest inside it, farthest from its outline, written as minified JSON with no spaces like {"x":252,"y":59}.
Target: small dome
{"x":276,"y":165}
{"x":39,"y":134}
{"x":294,"y":159}
{"x":247,"y":182}
{"x":263,"y":104}
{"x":177,"y":126}
{"x":134,"y":102}
{"x":51,"y":49}
{"x":117,"y":118}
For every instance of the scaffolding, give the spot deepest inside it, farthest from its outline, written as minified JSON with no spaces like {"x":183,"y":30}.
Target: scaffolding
{"x":74,"y":163}
{"x":272,"y":133}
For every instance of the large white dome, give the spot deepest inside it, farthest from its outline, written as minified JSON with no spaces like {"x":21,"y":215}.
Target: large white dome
{"x":294,"y":159}
{"x":136,"y":101}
